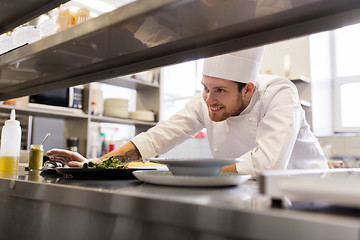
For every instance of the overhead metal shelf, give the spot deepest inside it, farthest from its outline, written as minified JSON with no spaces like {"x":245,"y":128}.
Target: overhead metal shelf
{"x":104,"y":48}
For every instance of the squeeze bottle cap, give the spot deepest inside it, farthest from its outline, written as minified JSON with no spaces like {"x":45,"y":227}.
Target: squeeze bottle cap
{"x":12,"y":121}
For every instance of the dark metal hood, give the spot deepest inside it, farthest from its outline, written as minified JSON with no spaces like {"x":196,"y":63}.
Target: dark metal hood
{"x":173,"y":31}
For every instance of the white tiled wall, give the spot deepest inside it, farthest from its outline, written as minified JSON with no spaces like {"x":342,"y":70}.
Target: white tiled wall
{"x":342,"y":145}
{"x":192,"y":148}
{"x":334,"y":145}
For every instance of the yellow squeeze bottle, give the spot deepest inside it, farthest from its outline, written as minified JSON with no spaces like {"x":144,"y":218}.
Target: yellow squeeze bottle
{"x":10,"y":144}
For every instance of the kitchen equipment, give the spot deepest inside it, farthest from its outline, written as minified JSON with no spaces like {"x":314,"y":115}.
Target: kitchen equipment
{"x":330,"y":186}
{"x":47,"y":27}
{"x":71,"y":97}
{"x":82,"y":15}
{"x":209,"y":167}
{"x":116,"y":107}
{"x":10,"y":144}
{"x":6,"y":43}
{"x":26,"y":34}
{"x":142,"y":115}
{"x":45,"y":138}
{"x":96,"y":100}
{"x":73,"y":143}
{"x":65,"y":19}
{"x":166,"y":178}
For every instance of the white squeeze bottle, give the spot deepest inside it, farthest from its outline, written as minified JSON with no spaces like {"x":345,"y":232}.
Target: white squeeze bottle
{"x":10,"y":144}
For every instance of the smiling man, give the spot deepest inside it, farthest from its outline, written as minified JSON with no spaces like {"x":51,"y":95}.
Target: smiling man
{"x":258,"y":119}
{"x":225,"y":98}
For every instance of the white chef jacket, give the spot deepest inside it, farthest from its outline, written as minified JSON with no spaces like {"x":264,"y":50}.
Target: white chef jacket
{"x":271,"y":133}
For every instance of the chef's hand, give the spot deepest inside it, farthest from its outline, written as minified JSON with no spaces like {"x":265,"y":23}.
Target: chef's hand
{"x":72,"y":159}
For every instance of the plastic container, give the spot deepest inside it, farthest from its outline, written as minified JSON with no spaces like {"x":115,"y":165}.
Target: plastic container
{"x":10,"y":144}
{"x":48,"y":27}
{"x":65,"y":19}
{"x":24,"y":35}
{"x":6,"y":43}
{"x":82,"y":15}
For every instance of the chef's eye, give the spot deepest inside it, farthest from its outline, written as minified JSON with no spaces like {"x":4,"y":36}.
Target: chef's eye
{"x":220,"y":90}
{"x":206,"y":89}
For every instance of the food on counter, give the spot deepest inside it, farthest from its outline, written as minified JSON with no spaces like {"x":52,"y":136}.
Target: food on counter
{"x":82,"y":15}
{"x":11,"y":102}
{"x":67,"y":18}
{"x":112,"y":162}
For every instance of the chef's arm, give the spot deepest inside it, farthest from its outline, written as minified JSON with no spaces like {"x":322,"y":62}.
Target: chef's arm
{"x":169,"y":133}
{"x":128,"y":152}
{"x":163,"y":137}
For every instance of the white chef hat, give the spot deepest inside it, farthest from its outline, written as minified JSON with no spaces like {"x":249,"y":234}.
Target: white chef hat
{"x":242,"y":66}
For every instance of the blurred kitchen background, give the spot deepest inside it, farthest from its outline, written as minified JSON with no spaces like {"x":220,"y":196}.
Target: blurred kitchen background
{"x":324,"y":67}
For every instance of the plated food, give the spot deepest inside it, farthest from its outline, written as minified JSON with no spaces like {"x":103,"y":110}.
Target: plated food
{"x":112,"y":162}
{"x":111,"y":168}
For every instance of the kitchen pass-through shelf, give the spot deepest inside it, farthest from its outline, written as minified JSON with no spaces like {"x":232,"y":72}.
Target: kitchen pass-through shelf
{"x":104,"y":47}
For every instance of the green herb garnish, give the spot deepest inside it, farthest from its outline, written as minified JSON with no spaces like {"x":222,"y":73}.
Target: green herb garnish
{"x":112,"y":162}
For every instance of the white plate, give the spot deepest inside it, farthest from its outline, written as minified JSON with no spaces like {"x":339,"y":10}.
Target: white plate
{"x":166,"y":178}
{"x":142,"y":115}
{"x":209,"y":167}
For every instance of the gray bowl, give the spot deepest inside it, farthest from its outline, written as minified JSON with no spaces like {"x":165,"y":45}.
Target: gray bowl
{"x":202,"y":167}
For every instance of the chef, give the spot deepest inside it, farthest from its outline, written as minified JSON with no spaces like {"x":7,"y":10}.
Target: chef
{"x":255,"y":118}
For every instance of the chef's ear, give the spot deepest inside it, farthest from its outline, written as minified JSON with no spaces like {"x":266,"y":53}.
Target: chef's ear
{"x":249,"y":87}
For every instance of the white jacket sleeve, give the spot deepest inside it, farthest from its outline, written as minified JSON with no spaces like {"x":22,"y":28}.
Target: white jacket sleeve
{"x":169,"y":133}
{"x":277,"y":131}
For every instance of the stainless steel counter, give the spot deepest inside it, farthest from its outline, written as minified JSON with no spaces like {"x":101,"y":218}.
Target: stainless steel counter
{"x":36,"y":207}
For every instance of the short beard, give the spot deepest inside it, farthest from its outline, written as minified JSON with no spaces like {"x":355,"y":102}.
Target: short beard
{"x":223,"y":117}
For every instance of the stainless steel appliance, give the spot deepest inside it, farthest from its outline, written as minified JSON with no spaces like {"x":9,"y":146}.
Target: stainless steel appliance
{"x":71,"y":97}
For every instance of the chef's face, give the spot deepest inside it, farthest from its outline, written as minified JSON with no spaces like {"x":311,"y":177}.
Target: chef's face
{"x":223,"y":98}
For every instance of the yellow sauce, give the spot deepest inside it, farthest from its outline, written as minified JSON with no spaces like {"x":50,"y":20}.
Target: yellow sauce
{"x":36,"y":157}
{"x":9,"y":163}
